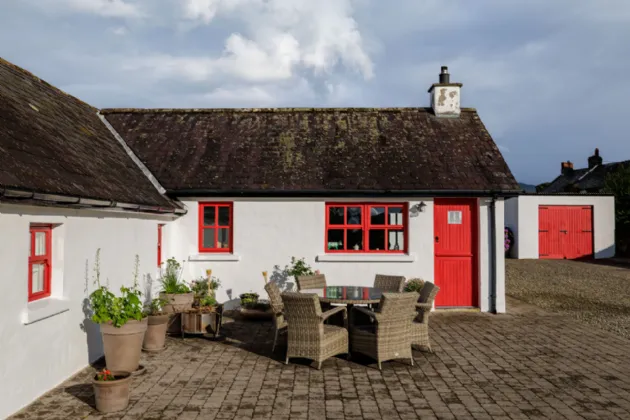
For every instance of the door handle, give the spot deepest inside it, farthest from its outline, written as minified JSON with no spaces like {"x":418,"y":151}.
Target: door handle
{"x":563,"y":231}
{"x":437,"y":239}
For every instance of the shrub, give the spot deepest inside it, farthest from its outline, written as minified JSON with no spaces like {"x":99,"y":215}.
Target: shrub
{"x":508,"y":240}
{"x":248,"y":299}
{"x":414,"y":285}
{"x":298,"y":267}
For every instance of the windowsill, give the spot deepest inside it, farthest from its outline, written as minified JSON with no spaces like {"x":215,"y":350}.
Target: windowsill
{"x":44,"y":308}
{"x":366,"y":258}
{"x":214,"y":257}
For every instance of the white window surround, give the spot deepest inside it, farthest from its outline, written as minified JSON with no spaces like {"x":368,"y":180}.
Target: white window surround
{"x":44,"y":308}
{"x":213,"y":256}
{"x":338,"y":257}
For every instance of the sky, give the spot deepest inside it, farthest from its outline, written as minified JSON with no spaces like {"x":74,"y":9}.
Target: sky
{"x":550,"y":79}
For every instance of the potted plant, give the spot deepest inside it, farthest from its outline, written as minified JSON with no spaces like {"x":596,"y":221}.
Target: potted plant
{"x":157,"y":324}
{"x":176,"y":293}
{"x":122,"y":322}
{"x":111,"y":390}
{"x":253,"y":308}
{"x":206,"y":314}
{"x":298,"y":267}
{"x":414,"y":285}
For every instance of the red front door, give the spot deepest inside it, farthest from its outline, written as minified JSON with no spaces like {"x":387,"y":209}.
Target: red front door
{"x":565,"y":232}
{"x":455,"y":227}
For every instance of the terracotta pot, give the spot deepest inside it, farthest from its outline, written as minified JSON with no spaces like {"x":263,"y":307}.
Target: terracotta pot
{"x":123,"y":345}
{"x":155,"y":337}
{"x":177,"y":302}
{"x":112,"y":396}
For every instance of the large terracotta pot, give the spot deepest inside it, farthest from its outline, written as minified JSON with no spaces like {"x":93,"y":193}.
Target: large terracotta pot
{"x":155,"y":337}
{"x":112,"y":396}
{"x":123,"y":345}
{"x":177,"y":302}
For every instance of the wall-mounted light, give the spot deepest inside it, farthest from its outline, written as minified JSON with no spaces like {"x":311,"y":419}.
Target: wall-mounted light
{"x":417,"y":208}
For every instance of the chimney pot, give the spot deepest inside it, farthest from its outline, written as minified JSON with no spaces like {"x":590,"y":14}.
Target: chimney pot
{"x":445,"y":96}
{"x":445,"y":78}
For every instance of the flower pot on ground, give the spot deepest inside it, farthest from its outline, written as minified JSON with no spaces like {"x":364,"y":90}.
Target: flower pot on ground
{"x":176,"y":294}
{"x":122,"y":322}
{"x":157,"y":324}
{"x":253,"y":308}
{"x":111,"y":390}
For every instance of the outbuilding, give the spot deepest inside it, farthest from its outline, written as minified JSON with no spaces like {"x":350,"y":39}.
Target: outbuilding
{"x":562,"y":226}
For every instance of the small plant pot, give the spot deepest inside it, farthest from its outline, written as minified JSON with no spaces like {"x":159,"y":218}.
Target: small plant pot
{"x":122,"y":346}
{"x":177,"y":302}
{"x":155,"y":337}
{"x":112,"y":396}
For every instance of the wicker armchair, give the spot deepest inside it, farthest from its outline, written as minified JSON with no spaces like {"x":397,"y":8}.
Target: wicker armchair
{"x":388,"y":335}
{"x":308,"y":336}
{"x":277,"y":307}
{"x":389,"y":283}
{"x":315,"y":281}
{"x":420,"y":327}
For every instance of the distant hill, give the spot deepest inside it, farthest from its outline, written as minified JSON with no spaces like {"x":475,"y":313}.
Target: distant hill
{"x":527,"y":187}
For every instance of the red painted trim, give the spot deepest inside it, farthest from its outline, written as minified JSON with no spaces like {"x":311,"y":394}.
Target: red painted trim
{"x":45,"y":259}
{"x":159,"y":244}
{"x":216,"y":227}
{"x":366,"y":225}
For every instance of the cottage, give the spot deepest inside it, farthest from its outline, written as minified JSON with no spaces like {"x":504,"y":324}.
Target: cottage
{"x":357,"y":191}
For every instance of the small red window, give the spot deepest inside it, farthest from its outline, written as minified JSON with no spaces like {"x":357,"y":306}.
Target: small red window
{"x":366,"y":228}
{"x":215,"y":227}
{"x":159,"y":245}
{"x":39,"y":262}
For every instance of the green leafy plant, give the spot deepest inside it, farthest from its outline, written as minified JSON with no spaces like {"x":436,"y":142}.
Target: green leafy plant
{"x":414,"y":285}
{"x":298,"y":267}
{"x":155,"y":307}
{"x":207,"y":300}
{"x":170,"y":281}
{"x":248,"y":299}
{"x":618,"y":183}
{"x":118,"y":310}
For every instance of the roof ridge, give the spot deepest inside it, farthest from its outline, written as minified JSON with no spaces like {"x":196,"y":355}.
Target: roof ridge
{"x":264,"y":110}
{"x":28,"y":74}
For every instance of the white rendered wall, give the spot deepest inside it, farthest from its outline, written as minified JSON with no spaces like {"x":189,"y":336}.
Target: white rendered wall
{"x":524,"y":221}
{"x":38,"y":356}
{"x":268,"y":232}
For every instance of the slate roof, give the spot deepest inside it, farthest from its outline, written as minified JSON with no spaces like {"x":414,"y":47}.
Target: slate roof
{"x":52,"y":143}
{"x":584,"y":179}
{"x":285,"y":150}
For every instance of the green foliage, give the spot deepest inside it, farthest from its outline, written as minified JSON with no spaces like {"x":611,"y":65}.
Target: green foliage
{"x":618,"y":183}
{"x":108,"y":307}
{"x":248,"y":299}
{"x":207,"y":300}
{"x":170,"y":281}
{"x":414,"y":285}
{"x":155,"y":306}
{"x":298,"y":267}
{"x":204,"y":291}
{"x":542,"y":186}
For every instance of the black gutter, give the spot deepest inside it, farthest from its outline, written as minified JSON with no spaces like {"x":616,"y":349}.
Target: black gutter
{"x":492,"y":270}
{"x":202,"y":192}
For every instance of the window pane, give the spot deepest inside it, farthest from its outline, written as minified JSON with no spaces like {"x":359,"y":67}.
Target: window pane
{"x":395,"y":216}
{"x":377,"y":215}
{"x":208,"y":215}
{"x":396,"y":240}
{"x":354,"y":215}
{"x":224,"y":216}
{"x":38,"y":278}
{"x":208,"y":238}
{"x":224,"y":238}
{"x":377,"y":239}
{"x":355,"y":239}
{"x":335,"y":239}
{"x":335,"y":215}
{"x":40,"y":243}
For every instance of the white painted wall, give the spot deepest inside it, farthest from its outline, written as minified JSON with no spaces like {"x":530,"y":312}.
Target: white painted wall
{"x":268,"y":232}
{"x":522,"y":216}
{"x":38,"y":356}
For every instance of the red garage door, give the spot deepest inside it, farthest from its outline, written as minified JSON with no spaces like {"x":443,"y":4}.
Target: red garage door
{"x":565,"y":232}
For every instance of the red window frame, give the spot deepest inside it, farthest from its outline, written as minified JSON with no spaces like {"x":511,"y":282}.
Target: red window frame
{"x":216,"y":227}
{"x":159,"y":244}
{"x":45,"y":259}
{"x":366,"y":225}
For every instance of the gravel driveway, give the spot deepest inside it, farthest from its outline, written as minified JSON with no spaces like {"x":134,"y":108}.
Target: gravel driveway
{"x":593,"y":293}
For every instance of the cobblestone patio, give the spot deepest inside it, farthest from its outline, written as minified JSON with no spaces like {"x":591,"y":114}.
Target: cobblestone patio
{"x":528,"y":364}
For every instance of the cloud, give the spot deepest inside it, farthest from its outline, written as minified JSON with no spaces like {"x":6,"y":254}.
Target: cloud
{"x":105,"y":8}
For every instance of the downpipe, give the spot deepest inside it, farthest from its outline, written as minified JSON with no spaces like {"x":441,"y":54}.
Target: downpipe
{"x":492,"y":271}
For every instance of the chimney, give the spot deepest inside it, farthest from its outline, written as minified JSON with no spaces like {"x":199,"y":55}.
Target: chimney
{"x":445,"y":96}
{"x":566,"y":168}
{"x":595,"y":160}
